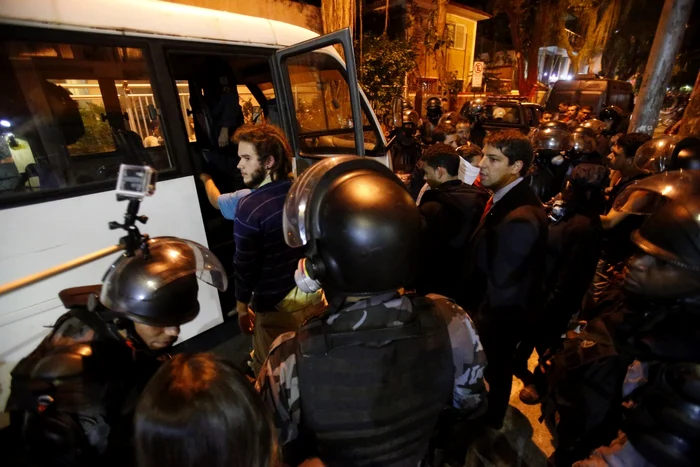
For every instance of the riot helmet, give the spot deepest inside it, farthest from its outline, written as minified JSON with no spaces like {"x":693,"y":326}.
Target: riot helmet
{"x":410,"y":119}
{"x":160,"y":289}
{"x":596,"y":125}
{"x":359,"y":225}
{"x":553,"y":137}
{"x":584,"y":141}
{"x":476,"y":107}
{"x":668,"y":152}
{"x":450,"y":118}
{"x":644,"y":196}
{"x":611,"y":116}
{"x":664,"y":423}
{"x":672,"y":233}
{"x":433,"y":110}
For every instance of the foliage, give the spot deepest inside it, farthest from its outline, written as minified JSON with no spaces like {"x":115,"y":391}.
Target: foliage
{"x":385,"y":64}
{"x":98,"y":134}
{"x":597,"y":20}
{"x":428,"y":28}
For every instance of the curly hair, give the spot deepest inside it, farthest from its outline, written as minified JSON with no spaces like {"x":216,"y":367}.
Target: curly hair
{"x":442,"y":155}
{"x":269,"y":141}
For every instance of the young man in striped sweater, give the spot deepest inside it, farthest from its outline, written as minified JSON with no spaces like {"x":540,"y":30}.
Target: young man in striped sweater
{"x":267,"y":300}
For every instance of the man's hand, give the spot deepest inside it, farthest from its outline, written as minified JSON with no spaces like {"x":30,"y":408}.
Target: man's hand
{"x":246,"y":318}
{"x":204,"y":177}
{"x":223,"y":137}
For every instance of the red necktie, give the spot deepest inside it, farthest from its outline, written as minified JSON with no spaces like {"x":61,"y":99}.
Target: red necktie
{"x":489,"y":205}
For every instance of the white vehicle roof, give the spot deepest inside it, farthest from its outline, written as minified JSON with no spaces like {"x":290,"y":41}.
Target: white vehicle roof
{"x":152,"y":18}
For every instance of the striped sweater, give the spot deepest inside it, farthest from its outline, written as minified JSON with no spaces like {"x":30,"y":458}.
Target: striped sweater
{"x":264,"y":264}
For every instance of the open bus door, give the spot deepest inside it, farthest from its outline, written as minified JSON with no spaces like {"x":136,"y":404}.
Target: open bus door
{"x":321,"y":109}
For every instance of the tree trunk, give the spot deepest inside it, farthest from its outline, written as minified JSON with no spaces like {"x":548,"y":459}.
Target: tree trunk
{"x":690,"y":124}
{"x":669,"y":35}
{"x":386,"y":18}
{"x":514,"y":22}
{"x":441,"y":54}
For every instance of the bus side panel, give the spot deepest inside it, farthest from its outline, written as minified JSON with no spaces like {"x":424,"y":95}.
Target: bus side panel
{"x":40,"y":236}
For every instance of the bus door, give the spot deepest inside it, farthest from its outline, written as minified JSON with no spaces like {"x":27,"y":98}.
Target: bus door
{"x":325,"y":114}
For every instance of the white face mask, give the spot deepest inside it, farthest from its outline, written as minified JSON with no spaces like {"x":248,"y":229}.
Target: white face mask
{"x":467,"y":172}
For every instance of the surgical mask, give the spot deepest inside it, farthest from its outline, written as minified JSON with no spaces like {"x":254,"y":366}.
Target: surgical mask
{"x":467,"y":172}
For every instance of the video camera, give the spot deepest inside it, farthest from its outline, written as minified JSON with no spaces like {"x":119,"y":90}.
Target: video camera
{"x":134,"y":183}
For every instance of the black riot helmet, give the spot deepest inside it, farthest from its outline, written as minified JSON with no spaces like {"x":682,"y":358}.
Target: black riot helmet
{"x":161,"y":289}
{"x":359,"y":224}
{"x":552,"y":136}
{"x":611,"y":116}
{"x":450,"y":118}
{"x":596,"y":125}
{"x":667,"y":153}
{"x":672,"y":233}
{"x":584,"y":141}
{"x":410,"y":119}
{"x":433,"y":104}
{"x":664,"y":423}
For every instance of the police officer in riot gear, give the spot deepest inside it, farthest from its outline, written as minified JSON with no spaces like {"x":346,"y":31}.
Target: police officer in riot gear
{"x":653,"y":321}
{"x":72,"y":398}
{"x":405,"y":145}
{"x":552,"y":141}
{"x":365,"y":382}
{"x":477,"y":116}
{"x":433,"y":110}
{"x":585,"y":146}
{"x":614,"y":120}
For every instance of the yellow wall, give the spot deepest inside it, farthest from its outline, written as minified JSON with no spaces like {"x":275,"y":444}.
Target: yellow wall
{"x":461,"y":60}
{"x":299,"y":14}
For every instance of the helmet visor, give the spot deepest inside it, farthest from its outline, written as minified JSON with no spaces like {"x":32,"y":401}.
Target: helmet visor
{"x":132,"y":280}
{"x":552,"y":139}
{"x":647,"y":195}
{"x":295,"y":216}
{"x":654,"y":156}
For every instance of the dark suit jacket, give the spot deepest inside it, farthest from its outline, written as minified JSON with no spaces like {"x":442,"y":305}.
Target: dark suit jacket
{"x":506,"y":260}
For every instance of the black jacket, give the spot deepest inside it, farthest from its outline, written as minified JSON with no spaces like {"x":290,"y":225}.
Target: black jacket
{"x":573,"y":249}
{"x":450,"y":213}
{"x":506,"y":261}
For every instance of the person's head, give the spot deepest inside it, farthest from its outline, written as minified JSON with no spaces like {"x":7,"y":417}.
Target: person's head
{"x":572,"y":111}
{"x":264,"y":151}
{"x":441,"y":164}
{"x":199,"y":411}
{"x":563,"y":106}
{"x":547,"y":116}
{"x":463,"y":132}
{"x":508,"y":155}
{"x":668,"y":265}
{"x":151,"y":297}
{"x":359,"y":224}
{"x":471,"y":153}
{"x":154,"y":127}
{"x":622,"y":156}
{"x":585,"y":113}
{"x":446,"y":134}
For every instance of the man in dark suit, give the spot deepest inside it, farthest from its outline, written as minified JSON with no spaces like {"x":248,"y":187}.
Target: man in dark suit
{"x":506,"y":261}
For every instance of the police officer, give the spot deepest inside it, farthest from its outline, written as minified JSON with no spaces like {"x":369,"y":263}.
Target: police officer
{"x":614,"y":120}
{"x":552,"y":141}
{"x":654,"y":320}
{"x":72,"y":398}
{"x":406,"y":147}
{"x":365,"y":382}
{"x":477,"y":116}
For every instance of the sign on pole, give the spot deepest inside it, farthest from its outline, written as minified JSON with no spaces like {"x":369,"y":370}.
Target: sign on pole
{"x":478,"y":74}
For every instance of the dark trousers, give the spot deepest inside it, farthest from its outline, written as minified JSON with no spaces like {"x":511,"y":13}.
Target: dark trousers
{"x":500,"y":339}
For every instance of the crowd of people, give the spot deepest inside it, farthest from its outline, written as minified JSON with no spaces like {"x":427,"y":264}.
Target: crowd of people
{"x":390,"y":316}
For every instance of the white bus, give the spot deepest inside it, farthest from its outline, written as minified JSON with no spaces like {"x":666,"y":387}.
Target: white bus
{"x":73,"y":74}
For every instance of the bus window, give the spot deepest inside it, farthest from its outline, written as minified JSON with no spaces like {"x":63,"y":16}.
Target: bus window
{"x":72,"y":113}
{"x":322,"y":103}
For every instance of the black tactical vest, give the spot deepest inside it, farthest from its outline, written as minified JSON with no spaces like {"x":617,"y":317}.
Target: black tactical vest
{"x":373,"y":397}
